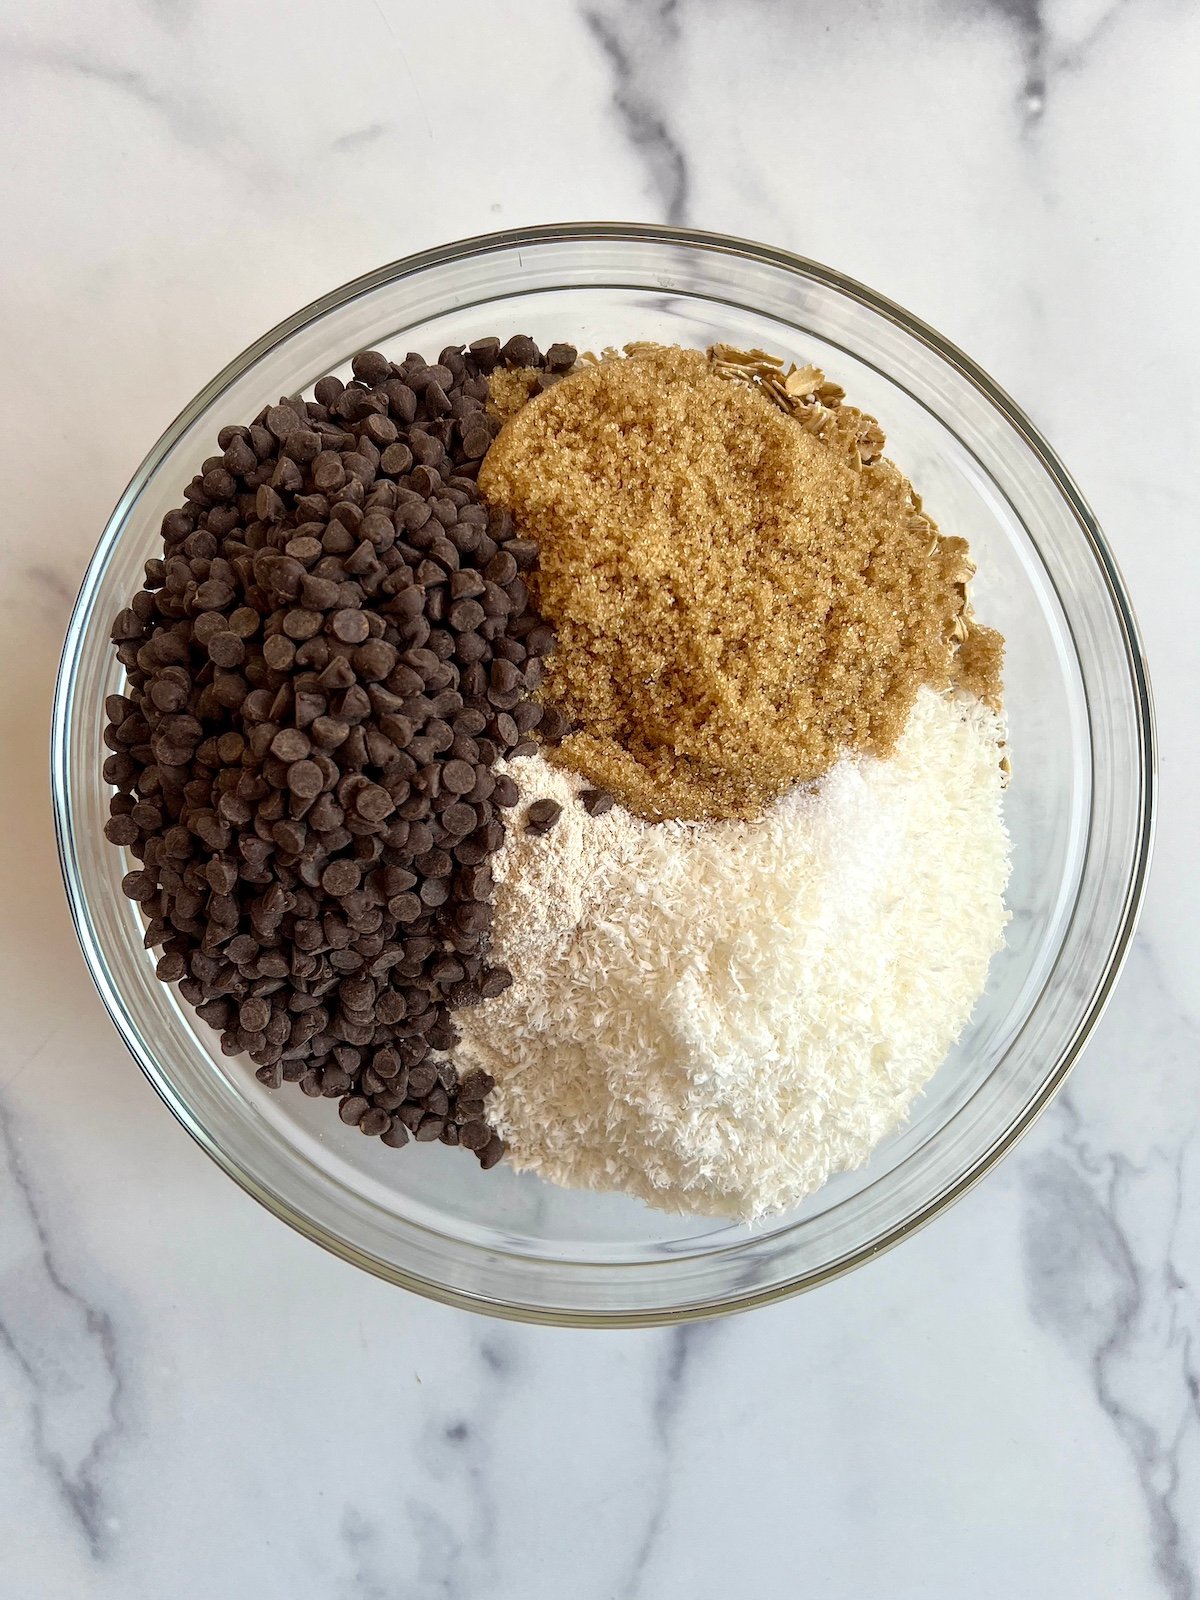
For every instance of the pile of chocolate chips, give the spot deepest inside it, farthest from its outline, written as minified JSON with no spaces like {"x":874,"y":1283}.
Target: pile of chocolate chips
{"x":323,"y":668}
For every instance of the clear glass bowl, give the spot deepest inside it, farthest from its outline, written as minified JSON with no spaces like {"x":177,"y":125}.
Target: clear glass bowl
{"x":1079,"y":807}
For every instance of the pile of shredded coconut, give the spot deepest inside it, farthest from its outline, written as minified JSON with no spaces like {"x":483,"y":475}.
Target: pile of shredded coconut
{"x":718,"y":1017}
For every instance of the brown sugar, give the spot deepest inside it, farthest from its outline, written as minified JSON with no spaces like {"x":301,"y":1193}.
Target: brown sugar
{"x":738,"y":599}
{"x":509,"y":388}
{"x":978,"y":662}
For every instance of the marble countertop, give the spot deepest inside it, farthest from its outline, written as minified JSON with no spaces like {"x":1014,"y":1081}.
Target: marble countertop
{"x":195,"y":1402}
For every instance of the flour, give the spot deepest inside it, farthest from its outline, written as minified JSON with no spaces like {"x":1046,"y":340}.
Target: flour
{"x":717,"y":1017}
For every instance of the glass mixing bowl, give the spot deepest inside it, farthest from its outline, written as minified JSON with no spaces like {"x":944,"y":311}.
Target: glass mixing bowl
{"x":1079,"y":806}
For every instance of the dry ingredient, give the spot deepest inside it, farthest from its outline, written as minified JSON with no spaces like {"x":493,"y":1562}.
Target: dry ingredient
{"x":738,"y":599}
{"x":713,"y":995}
{"x":323,"y":667}
{"x":717,"y":1018}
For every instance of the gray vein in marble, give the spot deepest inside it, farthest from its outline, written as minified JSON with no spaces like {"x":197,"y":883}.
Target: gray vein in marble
{"x":1088,"y":1286}
{"x":360,"y":1539}
{"x":381,"y":1568}
{"x":451,"y":1527}
{"x":358,"y":137}
{"x":414,"y":82}
{"x":633,"y":37}
{"x":497,"y":1356}
{"x":1028,"y":18}
{"x":173,"y":15}
{"x":187,"y":119}
{"x":1071,"y":58}
{"x":64,"y":1350}
{"x":51,"y":584}
{"x":678,"y":1362}
{"x":1044,"y":57}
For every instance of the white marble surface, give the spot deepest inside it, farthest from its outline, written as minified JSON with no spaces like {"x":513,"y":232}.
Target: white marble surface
{"x":194,"y":1402}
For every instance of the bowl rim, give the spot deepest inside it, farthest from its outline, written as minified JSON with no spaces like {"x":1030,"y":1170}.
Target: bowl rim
{"x":480,"y":245}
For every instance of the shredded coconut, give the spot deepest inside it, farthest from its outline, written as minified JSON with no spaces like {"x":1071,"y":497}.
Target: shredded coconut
{"x":717,"y":1017}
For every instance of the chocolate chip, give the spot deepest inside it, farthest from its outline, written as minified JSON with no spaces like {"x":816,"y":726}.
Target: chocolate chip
{"x":505,"y":792}
{"x":561,"y":357}
{"x":289,"y":744}
{"x":351,"y":627}
{"x":458,"y":820}
{"x":474,"y":1135}
{"x":475,"y":440}
{"x":504,"y":680}
{"x":282,"y":420}
{"x":226,"y":649}
{"x":254,"y":1015}
{"x":486,"y":353}
{"x":541,"y":816}
{"x":373,"y":802}
{"x":302,"y":624}
{"x":371,"y":367}
{"x":553,"y":725}
{"x":322,"y":668}
{"x":305,"y":780}
{"x":374,"y":660}
{"x":491,"y":1153}
{"x":353,"y":1109}
{"x":341,"y":877}
{"x":520,"y":351}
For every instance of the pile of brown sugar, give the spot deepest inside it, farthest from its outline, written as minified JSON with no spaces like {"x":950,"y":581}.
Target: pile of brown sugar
{"x":739,"y":599}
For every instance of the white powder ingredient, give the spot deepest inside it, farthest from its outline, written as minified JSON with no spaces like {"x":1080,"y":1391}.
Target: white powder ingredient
{"x":717,"y":1017}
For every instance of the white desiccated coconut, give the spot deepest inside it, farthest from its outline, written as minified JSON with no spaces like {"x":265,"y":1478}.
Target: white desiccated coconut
{"x":717,"y":1017}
